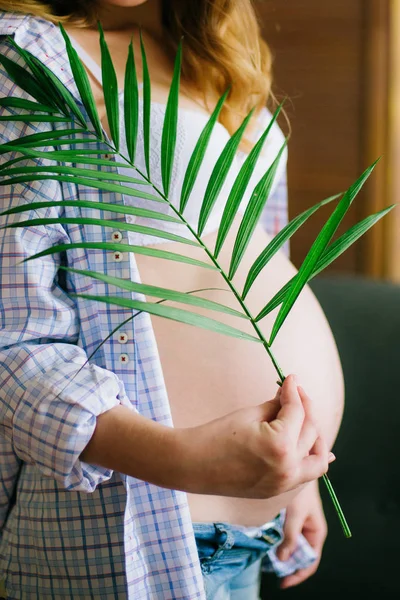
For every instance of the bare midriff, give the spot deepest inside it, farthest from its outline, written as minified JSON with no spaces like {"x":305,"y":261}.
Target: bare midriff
{"x":209,"y":375}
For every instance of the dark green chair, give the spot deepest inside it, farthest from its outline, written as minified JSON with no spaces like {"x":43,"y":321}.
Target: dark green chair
{"x":365,"y":320}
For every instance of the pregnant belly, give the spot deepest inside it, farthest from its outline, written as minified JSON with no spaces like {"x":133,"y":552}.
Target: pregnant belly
{"x":208,"y":375}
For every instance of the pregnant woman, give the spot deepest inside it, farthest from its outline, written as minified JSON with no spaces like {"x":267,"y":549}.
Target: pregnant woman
{"x":100,"y":496}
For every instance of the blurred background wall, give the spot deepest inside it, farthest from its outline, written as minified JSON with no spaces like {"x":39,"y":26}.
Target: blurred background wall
{"x":339,"y":65}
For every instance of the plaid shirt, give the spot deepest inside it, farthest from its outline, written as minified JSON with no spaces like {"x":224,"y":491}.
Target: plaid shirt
{"x":77,"y":530}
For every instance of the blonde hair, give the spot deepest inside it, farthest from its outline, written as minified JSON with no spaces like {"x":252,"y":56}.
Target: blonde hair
{"x":223,"y":46}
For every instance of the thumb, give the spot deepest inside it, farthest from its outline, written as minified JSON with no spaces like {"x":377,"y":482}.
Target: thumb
{"x":292,"y":529}
{"x":269,"y":410}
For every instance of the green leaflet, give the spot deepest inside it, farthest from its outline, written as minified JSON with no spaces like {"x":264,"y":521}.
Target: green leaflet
{"x":347,"y":239}
{"x":82,"y":156}
{"x":168,"y":140}
{"x":146,"y":106}
{"x":131,"y":104}
{"x":198,"y":154}
{"x":220,"y":172}
{"x":110,"y":89}
{"x":317,"y":249}
{"x":106,"y":206}
{"x":240,"y":185}
{"x":331,"y":253}
{"x":252,"y":214}
{"x":104,"y":223}
{"x":118,"y":246}
{"x":99,"y":175}
{"x":9,"y":102}
{"x":278,"y":241}
{"x":55,"y":90}
{"x":33,"y":118}
{"x":42,"y":78}
{"x":101,"y":185}
{"x":73,"y":171}
{"x":47,"y":138}
{"x":82,"y":83}
{"x":176,"y":314}
{"x":158,"y":292}
{"x":24,"y":80}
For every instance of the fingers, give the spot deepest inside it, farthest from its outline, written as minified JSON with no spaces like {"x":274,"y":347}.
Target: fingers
{"x":291,"y":416}
{"x":316,"y":464}
{"x":309,"y":432}
{"x":292,"y":529}
{"x":299,"y":576}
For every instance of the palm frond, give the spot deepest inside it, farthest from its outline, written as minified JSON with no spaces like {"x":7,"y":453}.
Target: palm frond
{"x":52,"y":98}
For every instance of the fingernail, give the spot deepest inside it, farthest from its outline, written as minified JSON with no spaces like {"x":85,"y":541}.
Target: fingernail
{"x":331,"y":457}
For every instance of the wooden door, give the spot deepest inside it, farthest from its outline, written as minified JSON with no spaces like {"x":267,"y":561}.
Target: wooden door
{"x":332,"y":62}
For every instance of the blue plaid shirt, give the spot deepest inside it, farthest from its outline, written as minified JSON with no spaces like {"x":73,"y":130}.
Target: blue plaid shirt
{"x":78,"y":530}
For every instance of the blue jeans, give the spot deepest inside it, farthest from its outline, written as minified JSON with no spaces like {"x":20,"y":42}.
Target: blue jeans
{"x":231,"y":560}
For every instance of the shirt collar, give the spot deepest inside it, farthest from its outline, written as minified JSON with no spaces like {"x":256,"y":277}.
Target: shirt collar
{"x":44,"y":40}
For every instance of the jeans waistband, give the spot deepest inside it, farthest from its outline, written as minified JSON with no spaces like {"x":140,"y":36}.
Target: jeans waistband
{"x":271,"y":532}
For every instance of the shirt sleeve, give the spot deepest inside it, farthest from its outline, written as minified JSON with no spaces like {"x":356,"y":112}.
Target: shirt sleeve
{"x":50,"y":395}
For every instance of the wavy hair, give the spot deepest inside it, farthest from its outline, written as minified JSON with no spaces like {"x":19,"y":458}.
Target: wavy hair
{"x":223,"y":46}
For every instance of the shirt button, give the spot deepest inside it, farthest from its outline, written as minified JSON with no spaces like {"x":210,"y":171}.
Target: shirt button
{"x":116,"y":236}
{"x":118,"y":256}
{"x":123,"y":338}
{"x":123,"y":359}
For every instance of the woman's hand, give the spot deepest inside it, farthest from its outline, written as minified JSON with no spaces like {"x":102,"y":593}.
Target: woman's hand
{"x":257,"y":452}
{"x":304,"y":515}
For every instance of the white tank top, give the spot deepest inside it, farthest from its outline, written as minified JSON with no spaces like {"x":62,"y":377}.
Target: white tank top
{"x":190,"y":126}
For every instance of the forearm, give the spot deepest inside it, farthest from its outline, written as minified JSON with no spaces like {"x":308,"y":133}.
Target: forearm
{"x":131,"y":444}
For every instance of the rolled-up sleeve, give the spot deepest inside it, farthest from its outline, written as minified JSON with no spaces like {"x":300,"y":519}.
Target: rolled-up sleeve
{"x":50,"y":395}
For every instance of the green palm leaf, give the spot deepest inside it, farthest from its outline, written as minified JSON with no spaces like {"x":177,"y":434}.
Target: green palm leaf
{"x":220,"y":172}
{"x":278,"y":241}
{"x":101,"y":185}
{"x":92,"y":204}
{"x":9,"y":102}
{"x":168,"y":140}
{"x":46,"y":138}
{"x":240,"y":185}
{"x":143,"y":229}
{"x":52,"y":86}
{"x":110,"y":89}
{"x":252,"y":214}
{"x":83,"y":156}
{"x":131,"y":104}
{"x":83,"y":84}
{"x":33,"y":118}
{"x":331,"y":253}
{"x":176,"y":314}
{"x":317,"y":250}
{"x":158,"y":292}
{"x":73,"y":171}
{"x":198,"y":154}
{"x":146,"y":105}
{"x":120,"y":247}
{"x":25,"y":80}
